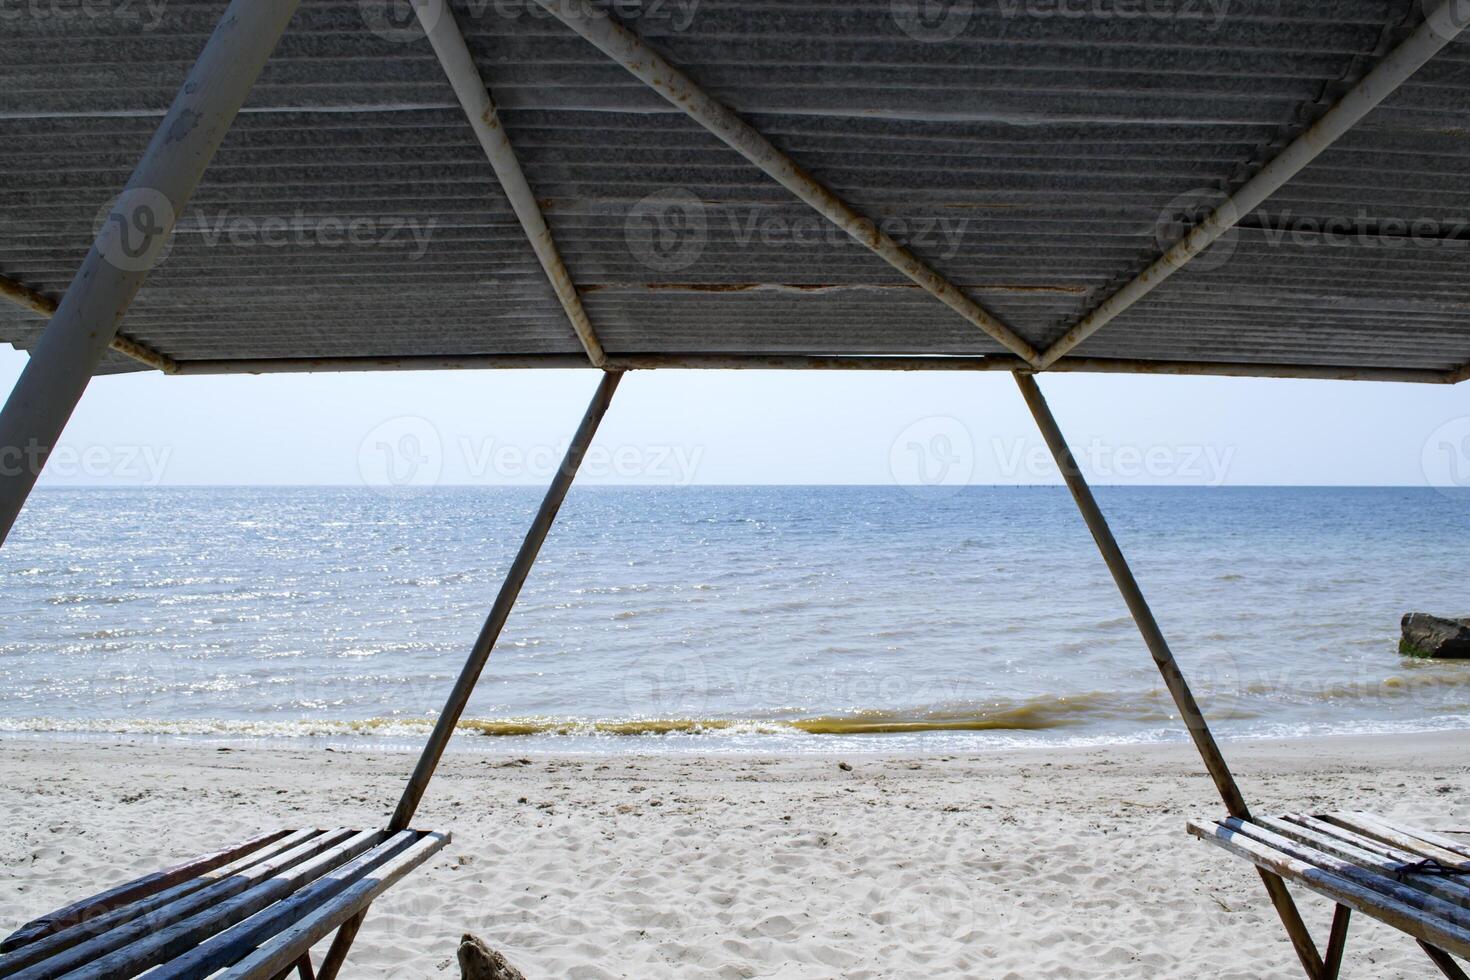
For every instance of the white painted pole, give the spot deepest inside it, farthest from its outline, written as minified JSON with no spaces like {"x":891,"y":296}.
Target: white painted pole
{"x":129,"y":244}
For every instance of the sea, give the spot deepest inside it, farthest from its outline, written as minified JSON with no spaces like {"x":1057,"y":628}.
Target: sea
{"x":725,"y":619}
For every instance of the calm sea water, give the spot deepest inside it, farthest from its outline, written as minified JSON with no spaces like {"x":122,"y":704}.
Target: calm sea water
{"x":726,"y":618}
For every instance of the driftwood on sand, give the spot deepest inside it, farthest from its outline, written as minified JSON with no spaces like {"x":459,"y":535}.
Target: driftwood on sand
{"x":479,"y":962}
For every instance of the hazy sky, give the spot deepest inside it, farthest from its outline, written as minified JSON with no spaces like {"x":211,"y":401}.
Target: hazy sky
{"x":753,"y":427}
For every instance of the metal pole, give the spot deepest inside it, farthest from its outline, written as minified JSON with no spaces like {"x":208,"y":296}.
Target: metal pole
{"x":23,"y":295}
{"x":500,"y":611}
{"x":805,"y":362}
{"x":630,"y":51}
{"x":1153,"y":638}
{"x":437,"y":19}
{"x":1440,"y":27}
{"x":469,"y":676}
{"x":130,"y":242}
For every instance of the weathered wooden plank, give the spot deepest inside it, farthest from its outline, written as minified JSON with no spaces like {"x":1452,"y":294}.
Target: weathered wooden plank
{"x":1428,"y":836}
{"x":53,"y":944}
{"x":1405,"y":918}
{"x":1391,"y":866}
{"x":164,"y":943}
{"x":1368,"y":825}
{"x":283,"y":950}
{"x":131,"y":891}
{"x":1385,"y":885}
{"x":238,"y":941}
{"x":79,"y":956}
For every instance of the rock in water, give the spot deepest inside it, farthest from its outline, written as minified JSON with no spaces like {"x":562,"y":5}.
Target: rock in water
{"x":1433,"y":636}
{"x":479,"y":962}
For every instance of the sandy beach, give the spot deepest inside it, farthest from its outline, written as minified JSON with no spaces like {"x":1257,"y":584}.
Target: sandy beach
{"x":1065,"y":863}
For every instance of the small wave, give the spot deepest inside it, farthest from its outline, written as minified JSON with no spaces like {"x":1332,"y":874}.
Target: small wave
{"x":1040,"y":714}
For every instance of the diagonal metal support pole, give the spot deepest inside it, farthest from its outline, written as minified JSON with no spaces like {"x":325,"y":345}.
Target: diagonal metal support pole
{"x":1442,"y":25}
{"x":130,"y":242}
{"x":437,"y":19}
{"x":469,"y":676}
{"x":630,"y":51}
{"x":1158,"y":647}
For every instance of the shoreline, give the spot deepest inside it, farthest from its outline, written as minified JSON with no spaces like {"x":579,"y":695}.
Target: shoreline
{"x":1066,"y":861}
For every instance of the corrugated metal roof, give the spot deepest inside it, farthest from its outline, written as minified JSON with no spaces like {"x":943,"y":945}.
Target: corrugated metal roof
{"x":1037,"y":159}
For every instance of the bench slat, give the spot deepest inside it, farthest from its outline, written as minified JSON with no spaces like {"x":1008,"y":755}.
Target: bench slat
{"x":1386,"y":884}
{"x":1369,"y":826}
{"x":287,"y":947}
{"x":40,"y":949}
{"x":164,"y":943}
{"x":80,"y":955}
{"x":1447,"y":935}
{"x":239,"y":940}
{"x":1428,"y":836}
{"x":131,"y":891}
{"x":1392,"y":866}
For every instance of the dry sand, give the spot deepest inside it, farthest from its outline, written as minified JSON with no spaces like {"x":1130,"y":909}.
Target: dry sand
{"x":1067,"y":863}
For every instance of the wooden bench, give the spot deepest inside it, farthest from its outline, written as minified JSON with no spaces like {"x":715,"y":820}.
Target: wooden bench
{"x":1417,"y":881}
{"x":253,"y":910}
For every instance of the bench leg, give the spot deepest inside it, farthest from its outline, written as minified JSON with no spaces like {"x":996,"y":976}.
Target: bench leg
{"x":337,"y":953}
{"x":301,"y":968}
{"x":1444,"y":961}
{"x":1332,"y":965}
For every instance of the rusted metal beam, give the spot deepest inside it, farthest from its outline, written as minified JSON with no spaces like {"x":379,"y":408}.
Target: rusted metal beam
{"x":1459,"y":375}
{"x":630,"y":51}
{"x":23,"y":295}
{"x":803,"y":362}
{"x":129,"y":243}
{"x":438,"y":22}
{"x":1158,"y":647}
{"x":1443,"y":24}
